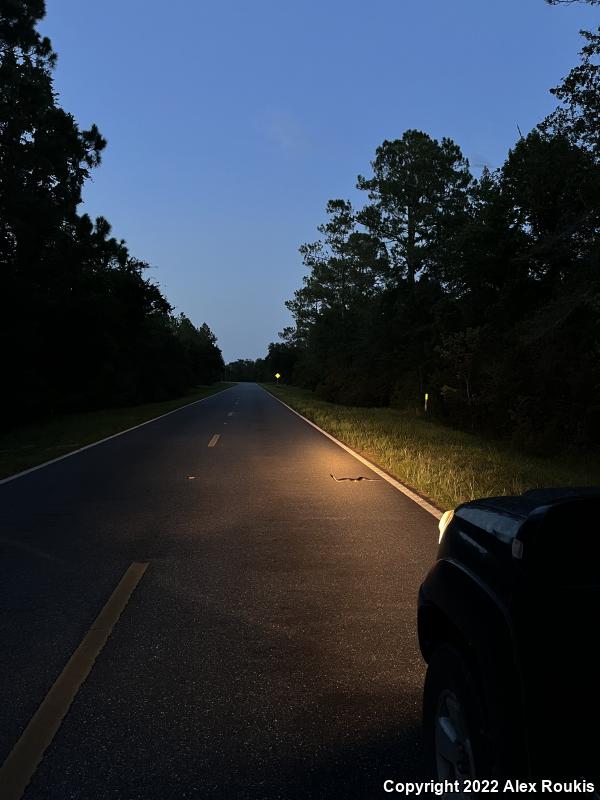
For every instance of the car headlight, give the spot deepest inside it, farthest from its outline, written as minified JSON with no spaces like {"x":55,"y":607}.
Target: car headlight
{"x":444,"y":522}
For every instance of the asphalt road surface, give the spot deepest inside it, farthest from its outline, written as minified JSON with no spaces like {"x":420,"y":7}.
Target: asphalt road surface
{"x":269,"y":649}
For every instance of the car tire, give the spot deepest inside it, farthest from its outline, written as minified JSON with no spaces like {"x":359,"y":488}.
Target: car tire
{"x":456,"y":731}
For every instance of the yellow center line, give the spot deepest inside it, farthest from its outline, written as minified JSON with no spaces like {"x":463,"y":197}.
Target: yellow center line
{"x":23,"y":760}
{"x":214,"y":440}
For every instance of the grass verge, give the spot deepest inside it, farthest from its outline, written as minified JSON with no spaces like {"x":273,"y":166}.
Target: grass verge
{"x":30,"y":445}
{"x":446,"y":465}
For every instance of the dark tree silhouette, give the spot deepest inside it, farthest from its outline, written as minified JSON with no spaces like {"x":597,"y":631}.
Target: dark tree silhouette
{"x":80,"y":326}
{"x":578,"y":115}
{"x":417,"y":183}
{"x":483,"y":293}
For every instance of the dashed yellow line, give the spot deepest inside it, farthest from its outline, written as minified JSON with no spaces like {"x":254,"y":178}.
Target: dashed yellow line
{"x":214,"y":440}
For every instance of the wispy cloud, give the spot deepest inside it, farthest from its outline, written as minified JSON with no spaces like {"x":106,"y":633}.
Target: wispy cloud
{"x":285,"y":131}
{"x":477,"y":161}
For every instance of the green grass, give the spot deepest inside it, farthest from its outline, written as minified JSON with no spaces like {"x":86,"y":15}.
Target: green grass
{"x":30,"y":445}
{"x":444,"y":464}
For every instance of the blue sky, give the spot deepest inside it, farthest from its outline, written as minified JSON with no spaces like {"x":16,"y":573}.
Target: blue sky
{"x":230,"y":124}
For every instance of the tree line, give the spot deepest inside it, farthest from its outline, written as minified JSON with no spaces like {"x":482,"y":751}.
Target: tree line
{"x":481,"y":293}
{"x":81,"y":325}
{"x":280,"y":358}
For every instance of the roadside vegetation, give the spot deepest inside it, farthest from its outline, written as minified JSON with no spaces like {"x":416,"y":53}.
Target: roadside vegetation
{"x":33,"y":444}
{"x":81,"y":327}
{"x":448,"y":466}
{"x":476,"y":295}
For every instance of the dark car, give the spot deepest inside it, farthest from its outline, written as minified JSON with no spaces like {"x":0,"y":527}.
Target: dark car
{"x":509,"y":625}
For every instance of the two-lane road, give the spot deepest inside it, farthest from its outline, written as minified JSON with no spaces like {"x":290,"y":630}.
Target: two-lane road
{"x":268,"y":650}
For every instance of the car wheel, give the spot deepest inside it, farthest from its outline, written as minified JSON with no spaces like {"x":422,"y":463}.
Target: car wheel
{"x":453,"y":718}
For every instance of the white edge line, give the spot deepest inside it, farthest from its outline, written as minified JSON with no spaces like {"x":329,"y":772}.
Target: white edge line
{"x":108,"y":438}
{"x":435,"y":512}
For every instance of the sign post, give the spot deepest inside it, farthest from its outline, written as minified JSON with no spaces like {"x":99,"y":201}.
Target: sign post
{"x":277,"y":375}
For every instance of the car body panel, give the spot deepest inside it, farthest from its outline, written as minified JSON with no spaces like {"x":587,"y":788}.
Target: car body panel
{"x":517,"y":585}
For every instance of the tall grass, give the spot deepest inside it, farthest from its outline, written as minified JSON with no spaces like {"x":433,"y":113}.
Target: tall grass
{"x":446,"y":465}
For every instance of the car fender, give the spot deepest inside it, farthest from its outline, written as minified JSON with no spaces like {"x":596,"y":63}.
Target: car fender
{"x":455,"y":605}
